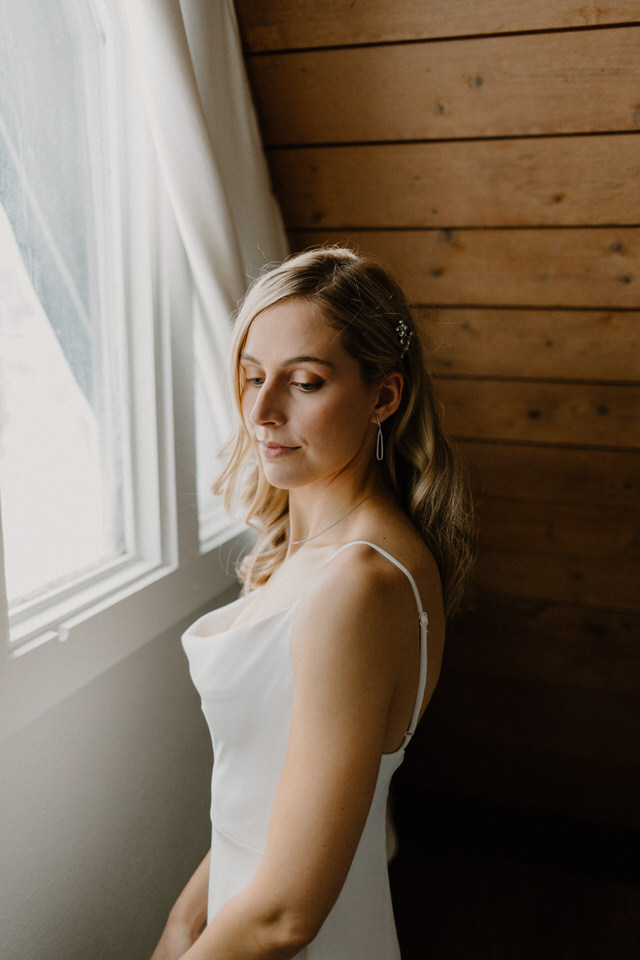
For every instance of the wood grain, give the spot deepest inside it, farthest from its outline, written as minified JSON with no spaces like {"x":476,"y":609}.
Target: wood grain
{"x":555,"y":718}
{"x":549,"y":344}
{"x":547,"y":643}
{"x":568,"y":267}
{"x":561,"y":530}
{"x":286,"y":24}
{"x":586,"y":554}
{"x":523,"y":257}
{"x":605,"y":583}
{"x":581,"y":82}
{"x":574,"y":414}
{"x":555,"y":181}
{"x":557,"y":474}
{"x":466,"y":764}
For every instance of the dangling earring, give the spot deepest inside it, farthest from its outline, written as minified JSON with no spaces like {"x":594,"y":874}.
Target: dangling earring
{"x":379,"y":441}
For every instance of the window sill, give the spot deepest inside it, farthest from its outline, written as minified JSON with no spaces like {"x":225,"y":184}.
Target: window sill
{"x":59,"y":661}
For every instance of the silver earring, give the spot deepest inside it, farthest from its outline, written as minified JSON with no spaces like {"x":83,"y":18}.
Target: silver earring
{"x":379,"y":441}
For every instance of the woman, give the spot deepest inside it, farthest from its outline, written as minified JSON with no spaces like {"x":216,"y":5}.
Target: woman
{"x":313,"y":681}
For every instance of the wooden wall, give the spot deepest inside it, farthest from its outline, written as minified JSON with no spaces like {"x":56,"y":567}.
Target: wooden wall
{"x":490,"y":153}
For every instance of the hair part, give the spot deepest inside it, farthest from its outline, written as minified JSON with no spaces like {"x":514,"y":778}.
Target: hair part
{"x":361,"y":300}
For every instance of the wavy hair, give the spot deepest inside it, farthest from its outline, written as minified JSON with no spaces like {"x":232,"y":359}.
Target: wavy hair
{"x":360,"y":299}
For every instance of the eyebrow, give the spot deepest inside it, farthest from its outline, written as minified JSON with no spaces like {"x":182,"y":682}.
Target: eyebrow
{"x":292,"y":360}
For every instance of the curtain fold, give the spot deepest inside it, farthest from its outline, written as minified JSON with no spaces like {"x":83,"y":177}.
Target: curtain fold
{"x":208,"y":145}
{"x":234,"y":131}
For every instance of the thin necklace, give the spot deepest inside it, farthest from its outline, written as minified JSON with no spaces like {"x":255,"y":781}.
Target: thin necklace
{"x":294,"y":543}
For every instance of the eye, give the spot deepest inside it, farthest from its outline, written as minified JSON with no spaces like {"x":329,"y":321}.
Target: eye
{"x":255,"y":381}
{"x":308,"y":387}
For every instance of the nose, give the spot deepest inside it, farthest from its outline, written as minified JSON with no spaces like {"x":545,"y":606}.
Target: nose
{"x":267,"y":408}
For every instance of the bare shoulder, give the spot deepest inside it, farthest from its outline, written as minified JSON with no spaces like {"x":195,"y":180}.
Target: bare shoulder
{"x":360,"y":592}
{"x":355,"y":639}
{"x":385,"y":562}
{"x":342,"y":641}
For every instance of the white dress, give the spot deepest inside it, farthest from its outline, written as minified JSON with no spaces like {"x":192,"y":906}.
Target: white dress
{"x":245,"y":679}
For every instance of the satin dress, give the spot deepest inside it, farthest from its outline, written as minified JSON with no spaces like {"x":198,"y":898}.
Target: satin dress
{"x":244,"y":676}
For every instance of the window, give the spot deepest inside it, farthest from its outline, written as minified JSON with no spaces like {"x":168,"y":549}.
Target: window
{"x":61,"y":437}
{"x":108,"y":425}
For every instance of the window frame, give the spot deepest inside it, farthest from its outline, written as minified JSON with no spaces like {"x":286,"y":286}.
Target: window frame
{"x":68,"y":638}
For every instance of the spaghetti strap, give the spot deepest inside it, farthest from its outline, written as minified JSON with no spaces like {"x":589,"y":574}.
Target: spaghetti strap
{"x":424,"y":622}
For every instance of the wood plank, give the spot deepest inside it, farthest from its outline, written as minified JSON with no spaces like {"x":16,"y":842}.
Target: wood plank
{"x":550,"y":344}
{"x":561,"y":530}
{"x":289,"y":24}
{"x":464,"y":764}
{"x":566,"y":267}
{"x":591,"y":582}
{"x":554,"y":473}
{"x":546,"y":643}
{"x":581,"y":82}
{"x":498,"y":183}
{"x":574,"y":414}
{"x":551,"y":718}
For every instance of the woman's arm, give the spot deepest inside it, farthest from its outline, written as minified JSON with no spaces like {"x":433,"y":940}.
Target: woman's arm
{"x":344,"y":679}
{"x":187,"y":917}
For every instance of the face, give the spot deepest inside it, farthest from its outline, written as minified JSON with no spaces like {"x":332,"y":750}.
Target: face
{"x":304,"y":402}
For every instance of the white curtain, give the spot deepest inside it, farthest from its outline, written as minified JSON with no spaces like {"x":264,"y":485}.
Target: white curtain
{"x":208,"y":147}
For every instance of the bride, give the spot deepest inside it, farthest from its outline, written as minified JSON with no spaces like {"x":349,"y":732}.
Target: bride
{"x":313,"y":681}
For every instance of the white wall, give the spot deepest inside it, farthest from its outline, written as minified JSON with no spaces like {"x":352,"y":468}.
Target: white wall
{"x":104,"y":812}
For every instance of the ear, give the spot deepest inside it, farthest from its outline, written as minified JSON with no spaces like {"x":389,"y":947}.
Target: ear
{"x":389,"y":396}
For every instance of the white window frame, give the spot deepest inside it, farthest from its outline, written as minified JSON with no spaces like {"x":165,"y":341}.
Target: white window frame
{"x":68,"y":639}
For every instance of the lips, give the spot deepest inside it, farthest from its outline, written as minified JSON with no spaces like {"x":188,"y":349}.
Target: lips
{"x":273,"y":451}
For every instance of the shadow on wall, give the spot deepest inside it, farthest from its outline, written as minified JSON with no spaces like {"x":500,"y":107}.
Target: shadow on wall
{"x":104,"y":813}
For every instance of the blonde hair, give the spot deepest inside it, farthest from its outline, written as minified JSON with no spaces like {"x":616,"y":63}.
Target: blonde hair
{"x":361,"y":300}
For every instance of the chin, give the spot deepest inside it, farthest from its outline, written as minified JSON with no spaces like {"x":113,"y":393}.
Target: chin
{"x":282,"y":478}
{"x":282,"y":483}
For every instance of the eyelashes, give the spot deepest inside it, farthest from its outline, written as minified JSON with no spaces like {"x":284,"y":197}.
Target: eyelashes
{"x":309,"y":387}
{"x":304,"y":387}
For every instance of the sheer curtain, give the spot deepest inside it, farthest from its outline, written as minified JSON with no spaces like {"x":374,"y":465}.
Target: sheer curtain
{"x":208,"y":147}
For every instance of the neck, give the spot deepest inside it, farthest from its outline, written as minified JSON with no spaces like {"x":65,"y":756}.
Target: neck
{"x":313,"y":512}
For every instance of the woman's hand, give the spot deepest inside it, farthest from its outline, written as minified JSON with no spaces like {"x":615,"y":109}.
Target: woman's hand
{"x":176,"y":939}
{"x":187,"y":918}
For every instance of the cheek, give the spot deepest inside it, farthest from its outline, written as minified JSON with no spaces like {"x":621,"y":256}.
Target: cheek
{"x":327,"y":416}
{"x":342,"y":422}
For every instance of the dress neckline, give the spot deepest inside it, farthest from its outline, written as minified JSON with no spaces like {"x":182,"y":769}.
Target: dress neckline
{"x":244,"y":623}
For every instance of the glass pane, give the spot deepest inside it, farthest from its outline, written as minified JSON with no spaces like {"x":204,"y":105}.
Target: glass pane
{"x":59,"y":451}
